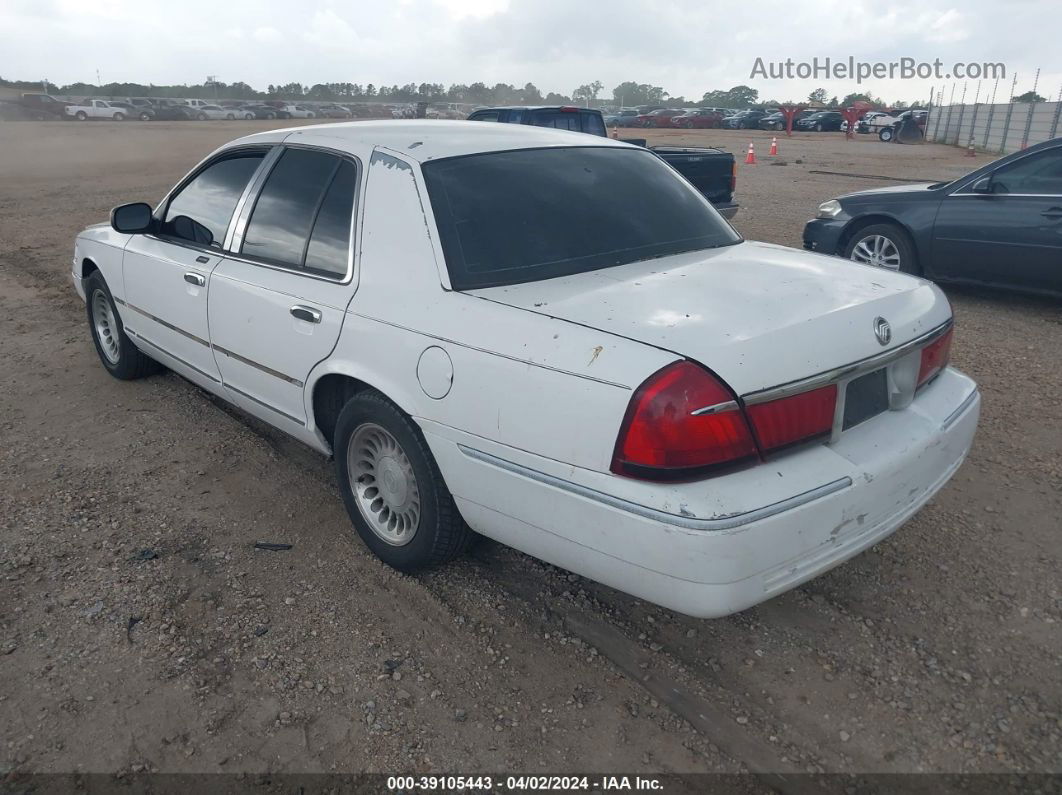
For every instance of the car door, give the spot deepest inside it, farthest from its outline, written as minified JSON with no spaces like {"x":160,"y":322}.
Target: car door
{"x":1010,"y":234}
{"x":99,"y":109}
{"x":277,"y":300}
{"x":166,"y":273}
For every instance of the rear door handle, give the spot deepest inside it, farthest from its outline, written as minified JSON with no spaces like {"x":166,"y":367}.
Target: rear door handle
{"x":309,"y":314}
{"x":195,"y":278}
{"x":1054,"y":212}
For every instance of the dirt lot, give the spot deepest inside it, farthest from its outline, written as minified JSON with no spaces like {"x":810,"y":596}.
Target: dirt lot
{"x":140,"y":630}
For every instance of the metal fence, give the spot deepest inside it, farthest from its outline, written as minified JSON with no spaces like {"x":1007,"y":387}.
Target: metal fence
{"x":1001,"y":128}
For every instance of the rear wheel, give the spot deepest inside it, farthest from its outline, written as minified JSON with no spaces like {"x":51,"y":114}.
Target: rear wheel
{"x":118,"y":117}
{"x":392,"y":487}
{"x":884,"y":246}
{"x":122,"y":359}
{"x":145,"y":116}
{"x":886,"y":134}
{"x":202,"y":117}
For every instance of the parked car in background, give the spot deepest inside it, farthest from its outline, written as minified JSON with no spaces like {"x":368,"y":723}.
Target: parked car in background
{"x":1000,"y":225}
{"x":744,"y":120}
{"x":867,"y":123}
{"x":143,"y":113}
{"x":295,"y":112}
{"x":171,"y":110}
{"x":658,"y":118}
{"x":204,"y":112}
{"x":698,"y":118}
{"x":710,"y":171}
{"x":717,"y":407}
{"x":625,"y":117}
{"x":96,"y":109}
{"x":333,"y":111}
{"x":39,"y":107}
{"x":820,"y":121}
{"x":887,"y":132}
{"x":561,"y":117}
{"x":257,"y":110}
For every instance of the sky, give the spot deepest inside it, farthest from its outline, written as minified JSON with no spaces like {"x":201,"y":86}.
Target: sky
{"x":685,"y":46}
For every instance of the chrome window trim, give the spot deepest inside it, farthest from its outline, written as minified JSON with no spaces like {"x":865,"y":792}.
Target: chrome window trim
{"x":721,"y":523}
{"x":846,"y":372}
{"x":164,"y":205}
{"x":246,"y":207}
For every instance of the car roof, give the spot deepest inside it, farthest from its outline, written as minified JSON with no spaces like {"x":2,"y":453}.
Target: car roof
{"x":537,"y":107}
{"x":431,"y":139}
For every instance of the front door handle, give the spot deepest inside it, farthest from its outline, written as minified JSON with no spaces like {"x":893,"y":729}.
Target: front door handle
{"x":195,"y":278}
{"x":309,"y":314}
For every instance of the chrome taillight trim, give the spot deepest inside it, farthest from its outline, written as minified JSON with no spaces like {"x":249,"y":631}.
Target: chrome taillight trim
{"x":847,"y":372}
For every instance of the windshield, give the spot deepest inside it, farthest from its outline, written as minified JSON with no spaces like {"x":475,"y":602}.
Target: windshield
{"x":531,"y":214}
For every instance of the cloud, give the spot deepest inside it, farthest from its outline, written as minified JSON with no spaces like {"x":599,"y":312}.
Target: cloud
{"x":686,"y":46}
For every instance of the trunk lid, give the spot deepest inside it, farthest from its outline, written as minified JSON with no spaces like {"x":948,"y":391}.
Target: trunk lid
{"x":757,"y":314}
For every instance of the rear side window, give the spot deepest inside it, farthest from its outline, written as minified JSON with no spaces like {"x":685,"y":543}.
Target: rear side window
{"x":593,"y":124}
{"x":560,"y":120}
{"x":201,"y":211}
{"x":530,"y":214}
{"x":303,"y":215}
{"x":486,"y":115}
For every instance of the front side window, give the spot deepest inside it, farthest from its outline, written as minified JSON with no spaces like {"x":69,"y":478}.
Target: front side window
{"x":302,"y":218}
{"x":209,"y":199}
{"x":1039,"y":174}
{"x":531,"y":214}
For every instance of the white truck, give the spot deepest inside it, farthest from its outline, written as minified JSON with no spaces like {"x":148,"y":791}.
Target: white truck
{"x":95,"y":109}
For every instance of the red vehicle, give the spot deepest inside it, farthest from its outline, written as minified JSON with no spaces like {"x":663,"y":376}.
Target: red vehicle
{"x":698,"y":119}
{"x":658,"y":118}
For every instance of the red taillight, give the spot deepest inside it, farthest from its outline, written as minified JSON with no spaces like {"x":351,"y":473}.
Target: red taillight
{"x":663,"y":437}
{"x":935,"y":357}
{"x":790,"y":420}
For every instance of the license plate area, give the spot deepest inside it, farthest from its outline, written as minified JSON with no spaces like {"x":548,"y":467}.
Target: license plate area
{"x":865,"y":397}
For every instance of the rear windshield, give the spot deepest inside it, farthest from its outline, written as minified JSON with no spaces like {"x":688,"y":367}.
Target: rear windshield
{"x":576,"y":121}
{"x":531,"y":214}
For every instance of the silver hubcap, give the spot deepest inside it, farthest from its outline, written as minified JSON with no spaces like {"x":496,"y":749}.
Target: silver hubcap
{"x":106,"y":328}
{"x":877,"y":250}
{"x":384,"y":485}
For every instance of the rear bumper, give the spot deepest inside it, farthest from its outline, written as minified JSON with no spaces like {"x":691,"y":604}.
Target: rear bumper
{"x":727,"y":209}
{"x":694,"y":558}
{"x":823,"y":235}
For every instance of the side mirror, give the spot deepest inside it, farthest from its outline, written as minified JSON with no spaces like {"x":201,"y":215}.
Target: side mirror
{"x":983,"y":185}
{"x":131,"y":218}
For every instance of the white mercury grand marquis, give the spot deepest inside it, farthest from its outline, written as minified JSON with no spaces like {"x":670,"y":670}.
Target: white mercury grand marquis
{"x":548,"y":338}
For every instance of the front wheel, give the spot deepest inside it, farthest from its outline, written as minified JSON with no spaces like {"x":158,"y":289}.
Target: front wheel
{"x":145,"y":117}
{"x":119,"y":356}
{"x":118,"y":117}
{"x":818,"y":127}
{"x":883,"y":246}
{"x":230,"y":117}
{"x":81,"y":115}
{"x":202,"y":117}
{"x":393,"y":489}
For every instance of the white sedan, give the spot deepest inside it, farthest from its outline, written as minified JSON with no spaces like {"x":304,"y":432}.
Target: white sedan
{"x":204,"y":112}
{"x":545,"y":337}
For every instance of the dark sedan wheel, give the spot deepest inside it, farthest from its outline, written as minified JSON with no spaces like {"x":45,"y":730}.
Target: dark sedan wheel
{"x":145,"y":117}
{"x":818,"y":127}
{"x":883,"y":246}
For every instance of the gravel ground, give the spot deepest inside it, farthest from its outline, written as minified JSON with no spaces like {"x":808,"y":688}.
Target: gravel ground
{"x":141,"y":631}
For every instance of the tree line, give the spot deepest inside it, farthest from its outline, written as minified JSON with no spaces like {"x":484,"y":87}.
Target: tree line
{"x":628,"y":94}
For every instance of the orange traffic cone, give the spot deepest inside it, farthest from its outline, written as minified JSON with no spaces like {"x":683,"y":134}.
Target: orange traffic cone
{"x":774,"y":147}
{"x":750,"y":158}
{"x":970,"y":151}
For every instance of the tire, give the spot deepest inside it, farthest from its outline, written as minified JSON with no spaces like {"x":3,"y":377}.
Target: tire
{"x":688,"y":125}
{"x":201,"y":116}
{"x":81,"y":116}
{"x":271,"y":115}
{"x":248,"y":116}
{"x":230,"y":117}
{"x":117,"y":353}
{"x":118,"y":117}
{"x":886,"y":134}
{"x":371,"y":427}
{"x":818,"y":126}
{"x":145,"y":117}
{"x":895,"y":244}
{"x":310,"y":116}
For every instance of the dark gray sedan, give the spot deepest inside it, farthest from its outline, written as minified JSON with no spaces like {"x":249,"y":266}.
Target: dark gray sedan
{"x":1000,"y":225}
